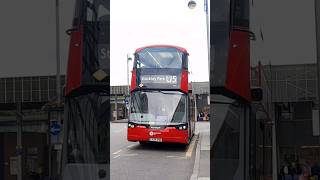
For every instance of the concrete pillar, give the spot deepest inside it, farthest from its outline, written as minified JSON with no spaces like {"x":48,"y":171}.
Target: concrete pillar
{"x":116,"y":106}
{"x":317,"y":19}
{"x":275,"y":118}
{"x":19,"y":140}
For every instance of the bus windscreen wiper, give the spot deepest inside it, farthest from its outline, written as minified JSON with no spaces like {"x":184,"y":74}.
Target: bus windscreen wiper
{"x":169,"y":92}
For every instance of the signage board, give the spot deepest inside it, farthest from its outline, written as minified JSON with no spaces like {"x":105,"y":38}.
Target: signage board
{"x":55,"y":128}
{"x":159,"y":79}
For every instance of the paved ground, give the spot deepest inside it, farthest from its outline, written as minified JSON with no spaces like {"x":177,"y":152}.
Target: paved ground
{"x":204,"y":163}
{"x":131,"y":161}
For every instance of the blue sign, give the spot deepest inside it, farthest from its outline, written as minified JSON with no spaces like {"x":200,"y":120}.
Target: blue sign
{"x":55,"y":128}
{"x":126,"y":101}
{"x":206,"y":6}
{"x":19,"y":151}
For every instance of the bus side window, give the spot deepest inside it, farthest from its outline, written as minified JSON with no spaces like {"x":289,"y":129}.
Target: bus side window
{"x":185,"y":61}
{"x":189,"y":108}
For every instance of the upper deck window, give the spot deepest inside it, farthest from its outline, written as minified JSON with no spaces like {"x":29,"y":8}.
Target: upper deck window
{"x":240,"y":13}
{"x":159,"y":58}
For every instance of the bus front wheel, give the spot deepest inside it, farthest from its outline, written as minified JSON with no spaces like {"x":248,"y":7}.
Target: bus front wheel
{"x":143,"y":142}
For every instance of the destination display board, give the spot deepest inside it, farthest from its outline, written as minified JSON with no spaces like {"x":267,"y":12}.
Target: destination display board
{"x":159,"y":79}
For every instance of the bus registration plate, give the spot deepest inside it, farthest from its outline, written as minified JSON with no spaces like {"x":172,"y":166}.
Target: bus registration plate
{"x":156,"y":139}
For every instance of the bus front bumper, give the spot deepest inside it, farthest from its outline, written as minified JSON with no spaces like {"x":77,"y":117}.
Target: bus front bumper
{"x":169,"y":134}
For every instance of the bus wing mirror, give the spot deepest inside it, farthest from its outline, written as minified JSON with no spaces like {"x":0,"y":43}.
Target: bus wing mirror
{"x":252,"y":36}
{"x":256,"y":94}
{"x":69,"y":31}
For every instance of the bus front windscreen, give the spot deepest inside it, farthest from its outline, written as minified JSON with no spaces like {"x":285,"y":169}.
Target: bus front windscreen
{"x":158,"y":107}
{"x":159,"y":58}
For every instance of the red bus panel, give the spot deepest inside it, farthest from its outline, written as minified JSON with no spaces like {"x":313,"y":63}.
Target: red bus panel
{"x":169,"y":134}
{"x":133,"y":80}
{"x":74,"y":74}
{"x":238,"y":68}
{"x":184,"y":81}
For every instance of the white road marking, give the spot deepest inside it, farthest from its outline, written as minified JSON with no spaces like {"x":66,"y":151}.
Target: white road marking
{"x":183,"y":157}
{"x":131,"y":145}
{"x":172,"y":156}
{"x":116,"y":156}
{"x":117,"y":152}
{"x":129,"y":154}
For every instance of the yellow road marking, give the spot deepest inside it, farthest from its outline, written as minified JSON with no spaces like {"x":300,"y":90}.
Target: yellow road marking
{"x":191,"y":146}
{"x":177,"y":157}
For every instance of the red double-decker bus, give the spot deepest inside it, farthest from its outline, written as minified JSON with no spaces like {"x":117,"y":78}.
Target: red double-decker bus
{"x":161,"y":105}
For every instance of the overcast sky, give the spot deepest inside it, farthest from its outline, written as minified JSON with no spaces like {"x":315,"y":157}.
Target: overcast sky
{"x":145,"y":22}
{"x":288,"y":27}
{"x":27,"y":33}
{"x":27,"y":37}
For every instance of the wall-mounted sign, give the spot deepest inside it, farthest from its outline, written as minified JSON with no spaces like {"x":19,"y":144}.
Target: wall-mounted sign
{"x":55,"y":128}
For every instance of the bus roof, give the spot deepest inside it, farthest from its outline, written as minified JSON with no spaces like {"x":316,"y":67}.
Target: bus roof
{"x":162,"y":46}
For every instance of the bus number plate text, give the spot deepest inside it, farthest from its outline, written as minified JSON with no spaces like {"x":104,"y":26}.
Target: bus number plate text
{"x":155,"y":139}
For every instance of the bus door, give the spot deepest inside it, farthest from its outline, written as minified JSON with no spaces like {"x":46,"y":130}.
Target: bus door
{"x":230,"y":148}
{"x":191,"y":115}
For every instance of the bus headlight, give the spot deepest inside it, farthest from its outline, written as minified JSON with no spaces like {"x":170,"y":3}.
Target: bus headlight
{"x":130,"y":125}
{"x":182,"y":127}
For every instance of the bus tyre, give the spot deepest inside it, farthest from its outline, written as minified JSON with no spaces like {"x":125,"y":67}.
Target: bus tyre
{"x":185,"y":145}
{"x":143,"y":142}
